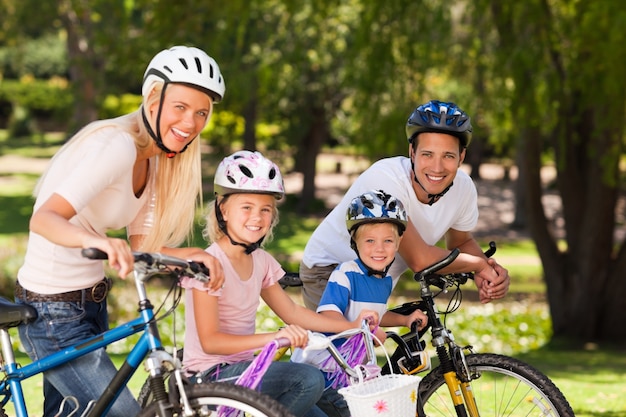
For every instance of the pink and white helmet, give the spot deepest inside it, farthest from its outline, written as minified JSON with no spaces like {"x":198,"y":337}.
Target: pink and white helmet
{"x":248,"y":172}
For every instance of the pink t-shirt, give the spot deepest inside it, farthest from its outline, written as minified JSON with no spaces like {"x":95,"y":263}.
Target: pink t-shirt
{"x":237,"y":304}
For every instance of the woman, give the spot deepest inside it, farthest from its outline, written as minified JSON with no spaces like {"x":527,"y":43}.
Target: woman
{"x":140,"y":171}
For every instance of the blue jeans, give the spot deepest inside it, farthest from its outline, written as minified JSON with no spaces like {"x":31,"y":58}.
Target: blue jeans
{"x":62,"y":324}
{"x":333,"y":404}
{"x":295,"y":385}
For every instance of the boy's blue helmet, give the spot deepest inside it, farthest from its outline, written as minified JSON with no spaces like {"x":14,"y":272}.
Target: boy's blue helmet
{"x":376,"y":207}
{"x":440,"y":117}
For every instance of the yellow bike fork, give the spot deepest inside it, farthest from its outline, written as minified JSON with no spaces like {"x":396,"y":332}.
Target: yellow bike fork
{"x":462,"y":396}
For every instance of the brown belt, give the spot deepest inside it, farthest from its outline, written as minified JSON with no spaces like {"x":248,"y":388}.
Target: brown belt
{"x":95,"y":294}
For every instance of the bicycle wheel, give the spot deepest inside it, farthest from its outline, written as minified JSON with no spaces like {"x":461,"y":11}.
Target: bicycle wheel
{"x":505,"y":387}
{"x":205,"y":399}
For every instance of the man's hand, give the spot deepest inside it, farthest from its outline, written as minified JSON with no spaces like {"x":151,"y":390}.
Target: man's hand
{"x":492,"y":281}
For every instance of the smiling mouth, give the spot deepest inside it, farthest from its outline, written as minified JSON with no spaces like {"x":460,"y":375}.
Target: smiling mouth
{"x":435,"y":178}
{"x":180,"y":134}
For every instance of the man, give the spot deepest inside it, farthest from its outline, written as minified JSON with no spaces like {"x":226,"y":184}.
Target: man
{"x":440,"y":199}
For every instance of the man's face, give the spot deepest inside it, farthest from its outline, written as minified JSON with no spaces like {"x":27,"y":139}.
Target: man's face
{"x":436,"y":158}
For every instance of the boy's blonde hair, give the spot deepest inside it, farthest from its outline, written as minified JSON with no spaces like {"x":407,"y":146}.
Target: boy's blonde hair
{"x":355,"y":233}
{"x":212,"y":232}
{"x":178,"y":180}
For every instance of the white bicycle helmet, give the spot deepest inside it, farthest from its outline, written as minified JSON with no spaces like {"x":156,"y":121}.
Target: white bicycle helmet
{"x":185,"y":65}
{"x":376,"y":206}
{"x":248,"y":172}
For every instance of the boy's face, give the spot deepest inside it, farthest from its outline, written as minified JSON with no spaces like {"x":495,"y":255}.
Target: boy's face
{"x":377,"y":244}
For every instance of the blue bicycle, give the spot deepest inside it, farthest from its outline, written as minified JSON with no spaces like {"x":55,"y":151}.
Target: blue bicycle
{"x":176,"y":398}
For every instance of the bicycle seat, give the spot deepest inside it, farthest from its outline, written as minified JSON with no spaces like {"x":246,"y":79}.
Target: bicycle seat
{"x":12,"y":314}
{"x":290,"y":279}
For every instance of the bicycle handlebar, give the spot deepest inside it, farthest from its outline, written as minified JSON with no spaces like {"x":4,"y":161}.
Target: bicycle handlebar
{"x":154,"y":262}
{"x":430,"y":277}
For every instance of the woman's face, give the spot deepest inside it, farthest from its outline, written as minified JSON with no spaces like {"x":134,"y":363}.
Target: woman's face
{"x":248,"y":216}
{"x":377,"y":244}
{"x":185,"y":112}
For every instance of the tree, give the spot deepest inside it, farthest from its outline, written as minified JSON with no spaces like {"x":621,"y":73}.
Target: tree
{"x":566,"y":61}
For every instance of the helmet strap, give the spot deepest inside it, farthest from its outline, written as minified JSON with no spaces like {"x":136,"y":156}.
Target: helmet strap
{"x":222,"y":225}
{"x":157,"y":136}
{"x":433,"y":198}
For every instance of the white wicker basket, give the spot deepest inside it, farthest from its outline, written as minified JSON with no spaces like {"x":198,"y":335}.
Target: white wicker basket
{"x":387,"y":395}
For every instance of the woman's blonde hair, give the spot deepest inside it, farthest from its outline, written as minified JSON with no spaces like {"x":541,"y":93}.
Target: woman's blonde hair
{"x":177,"y":181}
{"x":212,"y":231}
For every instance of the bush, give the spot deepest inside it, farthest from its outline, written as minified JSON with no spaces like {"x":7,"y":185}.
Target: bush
{"x":39,"y":99}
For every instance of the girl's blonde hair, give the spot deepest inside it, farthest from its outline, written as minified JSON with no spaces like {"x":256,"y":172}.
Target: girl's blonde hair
{"x":212,"y":232}
{"x":177,"y":181}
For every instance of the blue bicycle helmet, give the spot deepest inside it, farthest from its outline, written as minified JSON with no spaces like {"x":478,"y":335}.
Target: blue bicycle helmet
{"x":440,"y":117}
{"x":376,"y":207}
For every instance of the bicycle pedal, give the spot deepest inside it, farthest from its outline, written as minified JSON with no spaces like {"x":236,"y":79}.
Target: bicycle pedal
{"x":419,"y":362}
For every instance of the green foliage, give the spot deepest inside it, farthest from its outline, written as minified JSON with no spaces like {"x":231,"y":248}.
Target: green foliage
{"x":43,"y":58}
{"x":114,"y":105}
{"x":37,"y":98}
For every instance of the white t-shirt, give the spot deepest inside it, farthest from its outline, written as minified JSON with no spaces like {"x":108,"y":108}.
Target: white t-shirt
{"x":96,"y":178}
{"x":237,"y":303}
{"x":457,"y":209}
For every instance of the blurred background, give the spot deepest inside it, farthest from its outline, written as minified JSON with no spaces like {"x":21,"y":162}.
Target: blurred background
{"x":325,"y":88}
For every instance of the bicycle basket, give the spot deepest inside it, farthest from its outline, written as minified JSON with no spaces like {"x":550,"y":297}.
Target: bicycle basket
{"x":386,"y":395}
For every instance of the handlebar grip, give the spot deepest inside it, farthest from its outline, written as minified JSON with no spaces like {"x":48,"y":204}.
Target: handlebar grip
{"x":437,"y":266}
{"x":283,"y":342}
{"x":199,"y":267}
{"x":492,"y":249}
{"x":94,"y":253}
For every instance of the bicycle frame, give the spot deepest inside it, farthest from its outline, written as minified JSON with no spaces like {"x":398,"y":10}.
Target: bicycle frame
{"x":149,"y":343}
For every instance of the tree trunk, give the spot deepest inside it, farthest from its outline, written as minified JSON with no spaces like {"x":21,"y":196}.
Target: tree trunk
{"x":250,"y":117}
{"x":85,"y":68}
{"x":309,"y":150}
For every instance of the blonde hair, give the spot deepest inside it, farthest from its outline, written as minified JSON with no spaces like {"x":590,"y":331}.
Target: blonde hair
{"x":212,"y":232}
{"x":177,"y":181}
{"x":355,"y":232}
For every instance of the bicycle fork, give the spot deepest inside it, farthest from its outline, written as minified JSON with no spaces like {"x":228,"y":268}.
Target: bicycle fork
{"x":458,"y":383}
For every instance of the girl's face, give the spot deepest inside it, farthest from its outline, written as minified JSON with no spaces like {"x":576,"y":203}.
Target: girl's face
{"x":436,"y":159}
{"x":248,"y":216}
{"x":377,"y":244}
{"x":185,"y":111}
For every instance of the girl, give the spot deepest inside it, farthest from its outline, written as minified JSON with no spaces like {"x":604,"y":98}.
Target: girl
{"x":221,"y":336}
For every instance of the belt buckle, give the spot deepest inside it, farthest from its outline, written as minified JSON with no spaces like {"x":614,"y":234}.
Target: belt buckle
{"x":101,"y":284}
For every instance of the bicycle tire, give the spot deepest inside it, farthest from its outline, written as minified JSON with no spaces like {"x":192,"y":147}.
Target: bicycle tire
{"x":205,"y":398}
{"x":506,"y":387}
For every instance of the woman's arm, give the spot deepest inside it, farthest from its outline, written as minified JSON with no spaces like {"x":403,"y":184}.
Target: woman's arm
{"x":52,"y":221}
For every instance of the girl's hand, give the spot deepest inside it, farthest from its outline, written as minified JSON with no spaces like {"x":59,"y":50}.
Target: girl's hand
{"x":298,"y":337}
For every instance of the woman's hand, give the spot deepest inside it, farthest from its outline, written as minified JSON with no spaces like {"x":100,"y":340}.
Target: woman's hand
{"x":216,"y":273}
{"x":120,"y":255}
